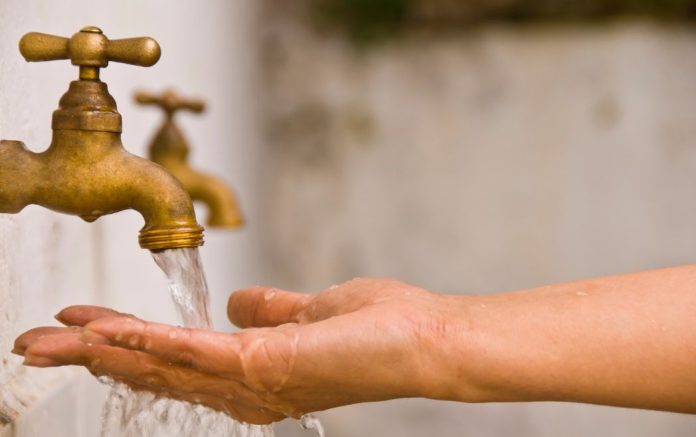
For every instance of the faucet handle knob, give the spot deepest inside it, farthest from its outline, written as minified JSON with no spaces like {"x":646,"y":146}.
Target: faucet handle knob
{"x":89,"y":48}
{"x":37,"y":47}
{"x":169,"y":101}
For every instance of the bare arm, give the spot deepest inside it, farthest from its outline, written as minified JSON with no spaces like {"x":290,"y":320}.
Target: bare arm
{"x":627,"y":340}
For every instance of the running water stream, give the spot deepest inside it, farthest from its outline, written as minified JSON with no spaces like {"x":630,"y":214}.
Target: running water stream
{"x":130,"y":413}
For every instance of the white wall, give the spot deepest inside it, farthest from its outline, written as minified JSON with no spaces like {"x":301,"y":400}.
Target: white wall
{"x":47,"y":260}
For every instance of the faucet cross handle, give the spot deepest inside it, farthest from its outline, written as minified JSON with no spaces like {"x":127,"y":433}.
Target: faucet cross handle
{"x":170,"y":102}
{"x":89,"y":49}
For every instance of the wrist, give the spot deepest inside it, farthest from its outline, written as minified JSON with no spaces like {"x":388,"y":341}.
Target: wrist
{"x":442,"y":334}
{"x":457,"y":364}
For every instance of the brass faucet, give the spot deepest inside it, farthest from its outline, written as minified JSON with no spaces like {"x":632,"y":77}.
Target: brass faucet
{"x":86,"y":171}
{"x":170,"y":149}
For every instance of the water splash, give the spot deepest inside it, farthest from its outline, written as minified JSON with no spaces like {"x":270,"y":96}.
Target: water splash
{"x":130,"y":413}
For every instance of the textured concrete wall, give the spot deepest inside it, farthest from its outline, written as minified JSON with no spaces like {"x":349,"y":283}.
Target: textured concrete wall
{"x":498,"y":159}
{"x":47,"y":260}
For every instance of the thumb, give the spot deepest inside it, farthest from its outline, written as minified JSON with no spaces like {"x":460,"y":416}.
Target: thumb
{"x":262,"y":306}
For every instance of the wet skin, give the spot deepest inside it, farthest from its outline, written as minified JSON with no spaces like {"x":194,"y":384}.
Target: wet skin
{"x":284,"y":365}
{"x":626,"y":340}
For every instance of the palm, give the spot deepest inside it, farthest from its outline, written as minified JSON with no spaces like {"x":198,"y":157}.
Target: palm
{"x":301,"y":353}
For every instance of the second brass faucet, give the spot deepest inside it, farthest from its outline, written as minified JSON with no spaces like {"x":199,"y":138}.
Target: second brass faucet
{"x":170,"y":149}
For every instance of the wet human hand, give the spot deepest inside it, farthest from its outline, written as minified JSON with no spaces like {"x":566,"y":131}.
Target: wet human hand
{"x":364,"y":340}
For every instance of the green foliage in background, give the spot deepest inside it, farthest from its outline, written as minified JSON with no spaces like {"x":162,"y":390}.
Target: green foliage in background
{"x":369,"y":20}
{"x":364,"y":20}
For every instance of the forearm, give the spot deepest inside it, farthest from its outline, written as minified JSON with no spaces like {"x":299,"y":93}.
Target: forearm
{"x":626,"y":340}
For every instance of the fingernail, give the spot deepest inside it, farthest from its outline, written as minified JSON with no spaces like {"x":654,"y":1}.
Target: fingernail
{"x":60,"y":319}
{"x":91,"y":337}
{"x":37,"y":361}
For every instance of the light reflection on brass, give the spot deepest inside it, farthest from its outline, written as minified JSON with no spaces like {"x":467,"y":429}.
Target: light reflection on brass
{"x":170,"y":149}
{"x":86,"y":171}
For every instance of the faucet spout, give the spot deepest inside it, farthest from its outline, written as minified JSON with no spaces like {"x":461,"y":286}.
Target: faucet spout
{"x":170,"y":151}
{"x":222,"y":203}
{"x":223,"y":209}
{"x":90,"y":174}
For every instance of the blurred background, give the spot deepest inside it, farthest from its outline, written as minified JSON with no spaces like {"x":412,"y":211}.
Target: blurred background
{"x":465,"y":147}
{"x":474,"y":147}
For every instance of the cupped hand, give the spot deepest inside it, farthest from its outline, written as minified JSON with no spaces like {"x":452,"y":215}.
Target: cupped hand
{"x":364,"y":340}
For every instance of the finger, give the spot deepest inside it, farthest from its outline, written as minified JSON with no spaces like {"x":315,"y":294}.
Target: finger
{"x":239,"y":411}
{"x":262,"y":358}
{"x":23,"y":341}
{"x":261,"y":306}
{"x":352,"y":296}
{"x":204,"y":350}
{"x":80,"y":315}
{"x":230,"y":404}
{"x":136,"y":366}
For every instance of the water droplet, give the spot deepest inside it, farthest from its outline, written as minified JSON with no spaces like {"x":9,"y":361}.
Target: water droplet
{"x":581,"y":293}
{"x":173,"y":334}
{"x":150,"y":380}
{"x":483,"y":305}
{"x":269,"y":294}
{"x":310,"y":422}
{"x":133,"y":341}
{"x":105,"y":380}
{"x":95,"y":362}
{"x":148,"y":344}
{"x":119,"y":336}
{"x":333,"y":287}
